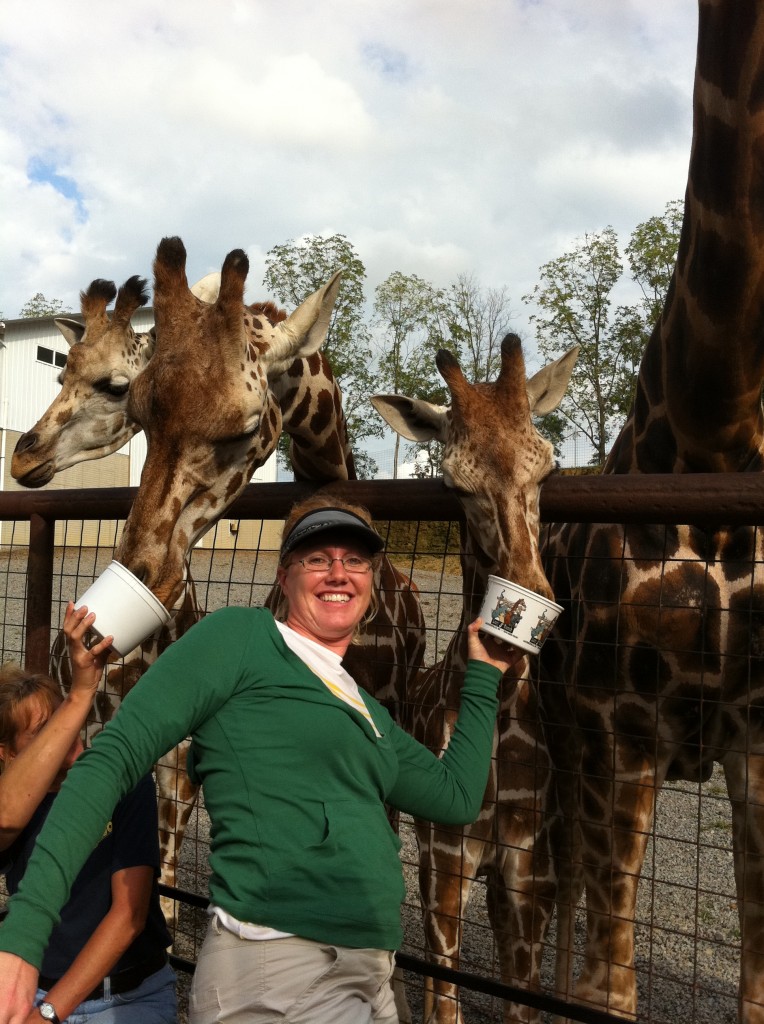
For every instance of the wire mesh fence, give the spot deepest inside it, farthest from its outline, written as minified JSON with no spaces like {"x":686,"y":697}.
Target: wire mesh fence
{"x":687,"y":928}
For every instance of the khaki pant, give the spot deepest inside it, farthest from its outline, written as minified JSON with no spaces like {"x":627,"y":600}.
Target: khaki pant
{"x":289,"y":981}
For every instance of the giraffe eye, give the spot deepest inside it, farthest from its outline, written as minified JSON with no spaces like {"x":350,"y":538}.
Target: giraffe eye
{"x":246,"y":434}
{"x":114,"y":388}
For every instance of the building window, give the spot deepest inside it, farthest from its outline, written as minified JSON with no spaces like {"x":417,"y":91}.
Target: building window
{"x":47,"y":355}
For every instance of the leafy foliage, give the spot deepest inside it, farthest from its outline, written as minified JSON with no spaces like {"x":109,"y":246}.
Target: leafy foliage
{"x":38,"y":305}
{"x":415,"y":320}
{"x":574,"y":299}
{"x":475,"y":320}
{"x":295,"y":270}
{"x":407,"y":311}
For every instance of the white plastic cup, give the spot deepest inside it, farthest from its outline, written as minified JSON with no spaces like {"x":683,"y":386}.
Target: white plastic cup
{"x":124,"y":608}
{"x":519,"y":616}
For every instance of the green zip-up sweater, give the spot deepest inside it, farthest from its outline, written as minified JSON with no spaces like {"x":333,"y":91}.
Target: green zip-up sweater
{"x":294,"y":779}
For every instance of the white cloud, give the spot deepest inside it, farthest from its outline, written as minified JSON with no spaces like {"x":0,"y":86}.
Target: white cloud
{"x":440,"y":136}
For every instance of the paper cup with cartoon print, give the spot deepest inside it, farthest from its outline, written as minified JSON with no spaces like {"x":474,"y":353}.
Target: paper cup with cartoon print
{"x":124,"y":608}
{"x":519,"y":616}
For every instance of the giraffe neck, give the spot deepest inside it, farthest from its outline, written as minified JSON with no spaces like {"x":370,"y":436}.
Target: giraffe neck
{"x":311,"y":409}
{"x":698,"y":400}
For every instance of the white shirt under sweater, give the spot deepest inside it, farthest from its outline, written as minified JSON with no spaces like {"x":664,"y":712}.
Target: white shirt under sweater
{"x":328,"y":667}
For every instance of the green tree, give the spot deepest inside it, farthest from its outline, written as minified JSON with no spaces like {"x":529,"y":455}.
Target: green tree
{"x":574,"y":302}
{"x":475,"y":320}
{"x":651,"y":253}
{"x":407,"y":310}
{"x":38,"y":305}
{"x":296,"y":269}
{"x":573,"y":298}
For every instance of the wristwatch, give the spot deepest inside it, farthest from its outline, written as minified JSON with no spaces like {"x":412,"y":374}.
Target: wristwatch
{"x":48,"y":1013}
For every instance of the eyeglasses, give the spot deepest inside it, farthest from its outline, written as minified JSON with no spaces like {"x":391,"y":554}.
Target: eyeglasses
{"x":322,"y":563}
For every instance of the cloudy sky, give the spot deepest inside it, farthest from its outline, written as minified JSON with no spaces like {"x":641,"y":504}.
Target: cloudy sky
{"x":440,"y":136}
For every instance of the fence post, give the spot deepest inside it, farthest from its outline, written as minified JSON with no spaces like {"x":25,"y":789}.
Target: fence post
{"x":39,"y":592}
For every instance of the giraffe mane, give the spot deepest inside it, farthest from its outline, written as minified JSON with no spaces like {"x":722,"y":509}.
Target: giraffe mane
{"x":269,"y":310}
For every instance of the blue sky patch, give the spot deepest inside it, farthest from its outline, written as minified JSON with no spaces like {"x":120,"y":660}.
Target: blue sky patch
{"x":44,"y":171}
{"x":387,"y":62}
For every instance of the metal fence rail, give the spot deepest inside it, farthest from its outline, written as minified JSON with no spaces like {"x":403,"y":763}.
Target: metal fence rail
{"x":686,"y":964}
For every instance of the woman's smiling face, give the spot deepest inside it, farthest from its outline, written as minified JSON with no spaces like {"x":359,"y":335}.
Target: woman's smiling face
{"x":326,"y":606}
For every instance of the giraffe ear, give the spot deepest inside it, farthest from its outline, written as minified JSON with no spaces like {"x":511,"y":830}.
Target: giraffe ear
{"x":72,"y":330}
{"x":304,"y":331}
{"x":147,"y":341}
{"x":413,"y":418}
{"x":546,"y":388}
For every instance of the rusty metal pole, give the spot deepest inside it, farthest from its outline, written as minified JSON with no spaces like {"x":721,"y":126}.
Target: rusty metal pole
{"x":39,"y":592}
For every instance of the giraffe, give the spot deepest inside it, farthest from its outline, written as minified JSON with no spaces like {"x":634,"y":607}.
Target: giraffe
{"x":88,"y":419}
{"x":495,"y":460}
{"x":656,"y":672}
{"x":255,"y":383}
{"x":249,"y":371}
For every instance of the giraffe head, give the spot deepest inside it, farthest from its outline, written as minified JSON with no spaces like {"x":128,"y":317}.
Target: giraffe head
{"x":494,"y":459}
{"x":208,"y":409}
{"x":88,"y":418}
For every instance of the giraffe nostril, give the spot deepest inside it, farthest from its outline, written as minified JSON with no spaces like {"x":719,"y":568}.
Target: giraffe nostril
{"x":25,"y":442}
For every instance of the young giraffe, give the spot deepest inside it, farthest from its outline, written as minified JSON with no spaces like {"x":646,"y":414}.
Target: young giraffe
{"x":495,"y":460}
{"x":88,"y":418}
{"x":197,"y":466}
{"x":393,"y":645}
{"x":660,"y":673}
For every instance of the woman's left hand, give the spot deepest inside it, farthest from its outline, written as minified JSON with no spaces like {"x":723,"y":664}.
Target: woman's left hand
{"x":482,"y":647}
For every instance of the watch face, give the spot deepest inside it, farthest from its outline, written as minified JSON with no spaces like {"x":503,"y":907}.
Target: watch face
{"x":48,"y":1013}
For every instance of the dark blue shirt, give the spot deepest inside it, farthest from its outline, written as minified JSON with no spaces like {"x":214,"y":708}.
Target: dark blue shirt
{"x":129,"y":840}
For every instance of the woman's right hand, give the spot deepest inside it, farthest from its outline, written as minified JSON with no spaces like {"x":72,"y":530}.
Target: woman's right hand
{"x":87,"y":664}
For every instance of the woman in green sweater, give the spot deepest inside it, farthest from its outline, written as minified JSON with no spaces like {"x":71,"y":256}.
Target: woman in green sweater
{"x":297,"y":764}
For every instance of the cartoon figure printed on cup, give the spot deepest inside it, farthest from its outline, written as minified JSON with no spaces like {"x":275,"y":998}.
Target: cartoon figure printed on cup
{"x":507,"y":616}
{"x":540,"y":631}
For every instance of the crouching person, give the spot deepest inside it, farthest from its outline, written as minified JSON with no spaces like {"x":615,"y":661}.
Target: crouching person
{"x":107,"y":957}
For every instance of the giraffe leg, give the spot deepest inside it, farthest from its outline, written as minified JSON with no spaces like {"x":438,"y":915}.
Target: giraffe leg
{"x":402,"y":1007}
{"x":176,"y":796}
{"x":745,"y":783}
{"x":521,"y":895}
{"x":614,"y":840}
{"x":447,"y":866}
{"x":570,"y":887}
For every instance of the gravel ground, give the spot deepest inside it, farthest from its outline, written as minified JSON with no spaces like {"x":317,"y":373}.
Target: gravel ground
{"x":687,"y":932}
